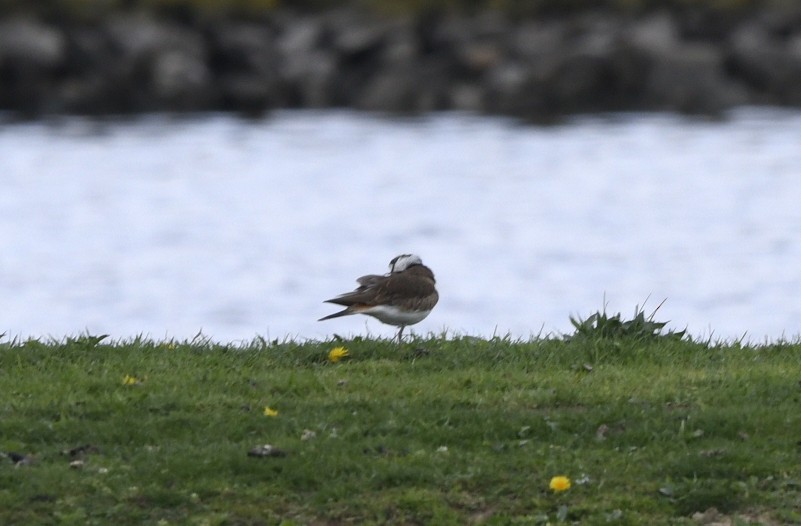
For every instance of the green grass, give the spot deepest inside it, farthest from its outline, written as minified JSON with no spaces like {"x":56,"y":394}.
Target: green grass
{"x":441,"y":431}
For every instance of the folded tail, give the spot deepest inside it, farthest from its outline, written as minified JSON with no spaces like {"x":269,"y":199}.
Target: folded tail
{"x":345,"y":312}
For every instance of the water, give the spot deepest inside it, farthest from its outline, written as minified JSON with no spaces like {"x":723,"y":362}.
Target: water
{"x":165,"y":228}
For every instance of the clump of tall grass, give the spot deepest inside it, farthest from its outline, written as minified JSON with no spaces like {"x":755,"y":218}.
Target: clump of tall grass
{"x":602,"y":326}
{"x":603,"y":337}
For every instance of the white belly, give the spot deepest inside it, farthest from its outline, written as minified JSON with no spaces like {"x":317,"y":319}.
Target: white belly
{"x":395,"y":316}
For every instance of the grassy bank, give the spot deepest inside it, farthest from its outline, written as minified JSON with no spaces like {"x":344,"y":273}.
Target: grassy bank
{"x":441,"y":431}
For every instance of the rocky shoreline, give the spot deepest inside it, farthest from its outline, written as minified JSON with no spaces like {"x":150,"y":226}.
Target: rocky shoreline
{"x":537,"y":70}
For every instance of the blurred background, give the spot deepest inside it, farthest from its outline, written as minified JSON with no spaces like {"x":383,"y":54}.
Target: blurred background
{"x":171,"y":167}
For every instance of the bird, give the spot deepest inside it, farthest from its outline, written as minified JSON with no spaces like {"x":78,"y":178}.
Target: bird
{"x":404,"y":296}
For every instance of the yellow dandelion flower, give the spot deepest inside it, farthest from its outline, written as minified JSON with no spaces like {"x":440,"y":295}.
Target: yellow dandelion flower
{"x":269,"y":411}
{"x":560,"y":483}
{"x":336,"y":354}
{"x":130,"y":380}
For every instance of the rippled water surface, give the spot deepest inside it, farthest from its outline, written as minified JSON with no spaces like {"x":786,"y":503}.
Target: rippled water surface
{"x":167,"y":227}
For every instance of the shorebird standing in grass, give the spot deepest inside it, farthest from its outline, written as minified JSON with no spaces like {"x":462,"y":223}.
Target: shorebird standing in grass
{"x":404,"y":296}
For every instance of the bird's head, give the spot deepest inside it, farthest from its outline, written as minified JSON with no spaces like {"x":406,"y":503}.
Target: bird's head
{"x":404,"y":261}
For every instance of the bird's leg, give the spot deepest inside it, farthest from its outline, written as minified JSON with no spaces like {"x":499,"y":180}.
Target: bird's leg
{"x":400,"y":335}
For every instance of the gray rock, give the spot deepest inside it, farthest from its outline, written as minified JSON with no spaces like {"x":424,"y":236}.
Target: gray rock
{"x":89,"y":94}
{"x":690,"y":79}
{"x":138,"y":35}
{"x":364,"y":37}
{"x":533,"y":40}
{"x":163,"y":65}
{"x":310,"y":77}
{"x":779,"y":20}
{"x":505,"y":79}
{"x":31,"y":57}
{"x":752,"y":56}
{"x":400,"y":47}
{"x":309,"y":70}
{"x":770,"y":67}
{"x":467,"y":96}
{"x":794,"y":44}
{"x":391,"y":90}
{"x":479,"y":57}
{"x":456,"y":30}
{"x":248,"y":63}
{"x":655,"y":35}
{"x":680,"y":76}
{"x":538,"y":69}
{"x":88,"y":50}
{"x":246,"y":48}
{"x":593,"y":73}
{"x":30,"y":44}
{"x":178,"y":77}
{"x":300,"y":36}
{"x":248,"y":93}
{"x":582,"y":83}
{"x":416,"y":88}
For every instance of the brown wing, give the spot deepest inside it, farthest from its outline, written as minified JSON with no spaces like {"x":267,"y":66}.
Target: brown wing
{"x":370,"y":280}
{"x":367,"y":284}
{"x":413,"y":287}
{"x":414,"y":283}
